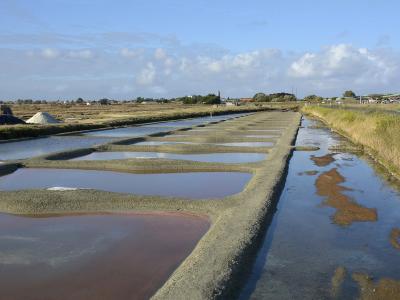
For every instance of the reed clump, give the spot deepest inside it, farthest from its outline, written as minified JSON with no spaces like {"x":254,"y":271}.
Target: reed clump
{"x":377,"y":131}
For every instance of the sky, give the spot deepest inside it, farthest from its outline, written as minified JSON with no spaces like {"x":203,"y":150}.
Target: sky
{"x":123,"y":49}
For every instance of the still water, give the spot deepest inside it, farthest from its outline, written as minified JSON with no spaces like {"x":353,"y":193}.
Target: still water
{"x":108,"y":256}
{"x":214,"y":157}
{"x":336,"y":232}
{"x":137,"y":131}
{"x":41,"y":146}
{"x":186,"y":185}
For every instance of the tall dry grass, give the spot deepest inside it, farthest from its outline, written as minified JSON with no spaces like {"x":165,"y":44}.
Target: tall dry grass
{"x":378,"y":131}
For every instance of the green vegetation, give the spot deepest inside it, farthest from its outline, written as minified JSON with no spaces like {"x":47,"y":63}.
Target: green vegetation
{"x":349,"y":94}
{"x":313,"y":98}
{"x":198,"y":99}
{"x":277,"y":97}
{"x":6,"y":110}
{"x":377,"y":131}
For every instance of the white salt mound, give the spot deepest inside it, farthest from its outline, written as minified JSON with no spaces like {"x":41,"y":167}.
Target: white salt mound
{"x":43,"y":118}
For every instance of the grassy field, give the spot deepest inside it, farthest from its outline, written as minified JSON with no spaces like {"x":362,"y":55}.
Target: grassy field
{"x":393,"y":107}
{"x":82,"y":117}
{"x":376,"y":130}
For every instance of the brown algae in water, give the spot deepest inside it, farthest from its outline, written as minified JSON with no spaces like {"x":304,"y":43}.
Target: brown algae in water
{"x":347,"y":210}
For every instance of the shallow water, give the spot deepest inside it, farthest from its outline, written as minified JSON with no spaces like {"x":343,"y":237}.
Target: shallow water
{"x":248,"y":144}
{"x":234,"y":144}
{"x":41,"y":146}
{"x":137,"y":131}
{"x":142,"y":130}
{"x":109,"y":256}
{"x":186,"y":185}
{"x":214,"y":157}
{"x":265,"y":130}
{"x":263,"y":136}
{"x":334,"y":230}
{"x":158,"y":143}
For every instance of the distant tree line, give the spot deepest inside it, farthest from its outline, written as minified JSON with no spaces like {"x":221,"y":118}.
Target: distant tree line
{"x":313,"y":98}
{"x":195,"y":99}
{"x":275,"y":97}
{"x":199,"y":99}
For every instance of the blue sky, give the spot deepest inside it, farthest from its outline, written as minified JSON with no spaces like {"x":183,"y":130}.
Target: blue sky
{"x":123,"y":49}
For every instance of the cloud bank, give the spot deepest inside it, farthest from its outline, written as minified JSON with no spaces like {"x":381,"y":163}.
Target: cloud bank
{"x":125,"y":66}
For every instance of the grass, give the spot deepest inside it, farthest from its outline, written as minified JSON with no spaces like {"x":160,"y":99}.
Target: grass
{"x":81,"y":117}
{"x":376,"y":130}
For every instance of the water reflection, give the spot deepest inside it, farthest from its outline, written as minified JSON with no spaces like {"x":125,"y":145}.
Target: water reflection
{"x":307,"y":256}
{"x":41,"y":146}
{"x":214,"y":157}
{"x":108,"y":256}
{"x":187,"y":185}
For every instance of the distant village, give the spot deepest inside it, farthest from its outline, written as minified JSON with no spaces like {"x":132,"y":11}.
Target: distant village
{"x":370,"y":99}
{"x":217,"y":99}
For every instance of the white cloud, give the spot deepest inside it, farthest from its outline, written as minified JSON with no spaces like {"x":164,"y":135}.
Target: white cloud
{"x":131,"y":53}
{"x":50,"y":53}
{"x":147,"y":75}
{"x":304,"y":66}
{"x":160,"y":54}
{"x":341,"y":61}
{"x":129,"y":72}
{"x":82,"y":54}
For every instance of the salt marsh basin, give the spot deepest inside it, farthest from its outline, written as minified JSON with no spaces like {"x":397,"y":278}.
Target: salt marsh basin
{"x":214,"y":157}
{"x":91,"y":256}
{"x":191,"y":185}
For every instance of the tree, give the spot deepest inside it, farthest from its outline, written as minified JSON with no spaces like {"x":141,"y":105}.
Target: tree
{"x":79,"y":101}
{"x":313,"y":98}
{"x":276,"y":97}
{"x":104,"y":101}
{"x":261,"y":97}
{"x":6,"y":110}
{"x":349,"y":94}
{"x":211,"y":99}
{"x":199,"y":99}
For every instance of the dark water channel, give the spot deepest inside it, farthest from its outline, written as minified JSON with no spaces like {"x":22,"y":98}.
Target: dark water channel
{"x":187,"y":185}
{"x":109,"y":256}
{"x":336,"y":232}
